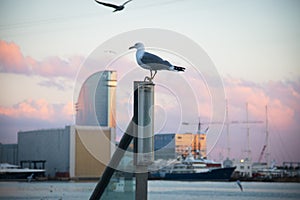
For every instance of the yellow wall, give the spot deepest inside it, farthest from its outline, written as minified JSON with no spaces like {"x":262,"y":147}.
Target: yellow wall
{"x":92,"y":151}
{"x":183,"y":142}
{"x":189,"y":140}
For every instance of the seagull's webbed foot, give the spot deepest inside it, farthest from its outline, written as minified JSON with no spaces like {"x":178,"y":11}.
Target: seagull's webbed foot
{"x":148,"y":78}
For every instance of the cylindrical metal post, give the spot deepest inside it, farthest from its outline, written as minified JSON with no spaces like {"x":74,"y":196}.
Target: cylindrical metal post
{"x":144,"y":134}
{"x":144,"y":111}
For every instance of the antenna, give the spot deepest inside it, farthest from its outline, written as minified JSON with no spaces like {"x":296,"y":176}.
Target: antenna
{"x":227,"y":129}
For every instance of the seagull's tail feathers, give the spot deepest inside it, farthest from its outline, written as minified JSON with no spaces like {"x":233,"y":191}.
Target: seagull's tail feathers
{"x":179,"y":69}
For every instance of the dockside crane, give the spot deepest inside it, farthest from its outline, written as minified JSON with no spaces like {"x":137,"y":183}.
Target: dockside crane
{"x":265,"y":149}
{"x":228,"y":123}
{"x":262,"y":153}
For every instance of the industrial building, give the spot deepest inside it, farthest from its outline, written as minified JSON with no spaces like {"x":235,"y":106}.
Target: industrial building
{"x":171,"y":145}
{"x":9,"y":153}
{"x":51,"y":145}
{"x":90,"y":150}
{"x":73,"y":151}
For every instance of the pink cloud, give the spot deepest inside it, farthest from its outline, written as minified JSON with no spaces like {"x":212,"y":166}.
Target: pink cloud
{"x":39,"y":109}
{"x":13,"y":61}
{"x":11,"y":58}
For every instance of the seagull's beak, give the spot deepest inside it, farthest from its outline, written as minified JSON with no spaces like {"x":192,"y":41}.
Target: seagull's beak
{"x":132,"y":47}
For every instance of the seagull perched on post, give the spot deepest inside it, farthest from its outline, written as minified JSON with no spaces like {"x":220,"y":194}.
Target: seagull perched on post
{"x":152,"y":62}
{"x":116,"y":7}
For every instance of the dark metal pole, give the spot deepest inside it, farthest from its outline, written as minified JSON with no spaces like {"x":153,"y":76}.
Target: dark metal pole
{"x":143,"y":141}
{"x":114,"y":162}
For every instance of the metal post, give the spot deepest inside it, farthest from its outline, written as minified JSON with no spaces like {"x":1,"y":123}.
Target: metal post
{"x":144,"y":134}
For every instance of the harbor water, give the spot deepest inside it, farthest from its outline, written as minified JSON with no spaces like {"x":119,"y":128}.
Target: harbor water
{"x":166,"y":190}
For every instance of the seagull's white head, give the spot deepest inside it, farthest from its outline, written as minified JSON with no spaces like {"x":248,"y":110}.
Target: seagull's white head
{"x":138,"y":45}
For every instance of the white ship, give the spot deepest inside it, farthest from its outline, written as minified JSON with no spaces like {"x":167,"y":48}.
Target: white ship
{"x":8,"y":171}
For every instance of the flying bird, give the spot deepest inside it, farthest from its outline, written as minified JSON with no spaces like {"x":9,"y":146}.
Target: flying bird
{"x":238,"y":182}
{"x":152,"y":62}
{"x":116,"y":7}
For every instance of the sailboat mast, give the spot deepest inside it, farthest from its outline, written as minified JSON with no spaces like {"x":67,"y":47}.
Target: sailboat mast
{"x":227,"y":129}
{"x":248,"y":133}
{"x":267,"y":138}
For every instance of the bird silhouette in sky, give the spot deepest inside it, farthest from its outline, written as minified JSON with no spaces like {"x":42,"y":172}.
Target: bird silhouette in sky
{"x":153,"y":62}
{"x":116,"y":7}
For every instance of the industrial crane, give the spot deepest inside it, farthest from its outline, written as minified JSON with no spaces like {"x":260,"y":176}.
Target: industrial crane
{"x":227,"y":127}
{"x":262,"y":153}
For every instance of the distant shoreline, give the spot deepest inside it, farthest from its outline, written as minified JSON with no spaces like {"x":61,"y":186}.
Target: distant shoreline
{"x":279,"y":180}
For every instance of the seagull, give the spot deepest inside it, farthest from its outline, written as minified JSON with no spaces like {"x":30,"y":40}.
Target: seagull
{"x":238,"y":182}
{"x":152,"y":62}
{"x":29,"y":178}
{"x":116,"y":7}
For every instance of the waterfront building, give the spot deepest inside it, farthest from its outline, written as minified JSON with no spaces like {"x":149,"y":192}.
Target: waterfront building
{"x":91,"y":149}
{"x":243,"y":167}
{"x":96,"y":104}
{"x":9,"y":153}
{"x":70,"y":152}
{"x":173,"y":145}
{"x":82,"y":150}
{"x":50,"y":145}
{"x":164,"y":146}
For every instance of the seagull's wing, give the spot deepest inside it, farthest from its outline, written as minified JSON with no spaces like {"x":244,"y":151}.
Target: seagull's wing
{"x":107,"y":4}
{"x":126,"y":2}
{"x":155,"y":62}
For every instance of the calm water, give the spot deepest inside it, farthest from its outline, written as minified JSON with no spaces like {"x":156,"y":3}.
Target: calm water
{"x":157,"y":190}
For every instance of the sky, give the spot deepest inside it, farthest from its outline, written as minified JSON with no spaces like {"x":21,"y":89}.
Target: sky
{"x":254,"y":46}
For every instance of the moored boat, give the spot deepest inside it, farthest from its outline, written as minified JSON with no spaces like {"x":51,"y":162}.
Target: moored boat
{"x":191,"y":169}
{"x":8,"y":171}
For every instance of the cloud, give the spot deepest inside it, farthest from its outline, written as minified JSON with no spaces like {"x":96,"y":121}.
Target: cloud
{"x":12,"y":60}
{"x":38,"y":109}
{"x":281,"y":98}
{"x":32,"y":115}
{"x":58,"y":83}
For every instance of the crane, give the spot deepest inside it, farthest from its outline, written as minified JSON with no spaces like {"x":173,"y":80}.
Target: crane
{"x":265,"y":149}
{"x":227,"y":123}
{"x":262,"y":153}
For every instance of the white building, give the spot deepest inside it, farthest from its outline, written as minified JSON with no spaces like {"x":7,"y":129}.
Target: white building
{"x":243,"y":167}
